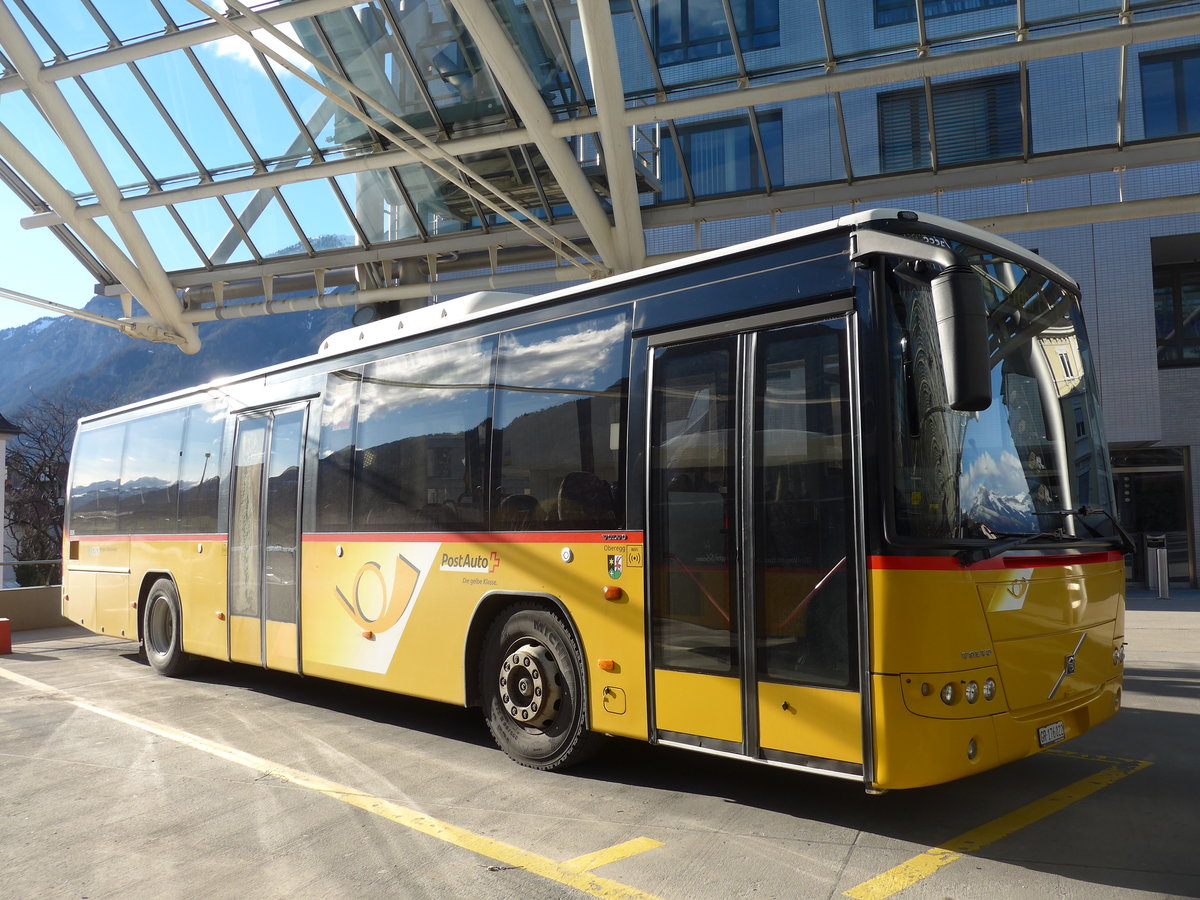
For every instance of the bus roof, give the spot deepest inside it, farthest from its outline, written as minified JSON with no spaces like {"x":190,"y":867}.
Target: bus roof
{"x":486,"y":304}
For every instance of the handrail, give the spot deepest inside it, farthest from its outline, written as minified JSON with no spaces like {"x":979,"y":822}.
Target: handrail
{"x":28,"y":562}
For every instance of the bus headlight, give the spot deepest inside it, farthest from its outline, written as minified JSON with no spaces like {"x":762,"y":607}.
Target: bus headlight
{"x":971,"y":692}
{"x":989,"y":689}
{"x":948,"y":694}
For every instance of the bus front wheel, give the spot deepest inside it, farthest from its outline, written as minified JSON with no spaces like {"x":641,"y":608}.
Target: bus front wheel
{"x":162,"y":630}
{"x":532,"y":685}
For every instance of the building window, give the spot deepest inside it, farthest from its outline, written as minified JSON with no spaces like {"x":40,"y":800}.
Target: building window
{"x":974,"y":120}
{"x":1171,"y":92}
{"x":722,"y":157}
{"x":690,"y":30}
{"x":1177,"y":314}
{"x":896,"y":12}
{"x":1064,"y":360}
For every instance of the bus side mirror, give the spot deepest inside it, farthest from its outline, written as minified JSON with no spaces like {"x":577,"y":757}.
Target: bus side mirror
{"x":962,"y":325}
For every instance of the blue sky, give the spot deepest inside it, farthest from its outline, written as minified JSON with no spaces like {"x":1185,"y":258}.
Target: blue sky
{"x":35,"y":262}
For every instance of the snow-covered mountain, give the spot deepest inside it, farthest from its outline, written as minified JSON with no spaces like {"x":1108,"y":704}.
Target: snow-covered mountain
{"x":1001,"y":513}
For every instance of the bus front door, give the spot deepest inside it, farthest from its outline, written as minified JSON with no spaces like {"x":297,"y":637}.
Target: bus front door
{"x":753,"y":574}
{"x":264,"y":532}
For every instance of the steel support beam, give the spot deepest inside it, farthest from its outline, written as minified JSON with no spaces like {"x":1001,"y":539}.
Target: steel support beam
{"x":166,"y":43}
{"x":148,"y":281}
{"x":1096,"y":214}
{"x":600,"y":47}
{"x":880,"y":189}
{"x":512,"y":74}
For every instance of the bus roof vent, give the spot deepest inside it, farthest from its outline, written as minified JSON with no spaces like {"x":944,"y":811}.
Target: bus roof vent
{"x":416,"y":321}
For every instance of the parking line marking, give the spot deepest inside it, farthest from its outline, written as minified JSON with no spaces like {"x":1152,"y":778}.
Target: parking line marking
{"x":590,"y":861}
{"x":909,"y":873}
{"x":574,"y":873}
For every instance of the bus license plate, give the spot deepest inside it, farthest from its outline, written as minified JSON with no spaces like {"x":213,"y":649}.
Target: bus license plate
{"x":1051,"y":734}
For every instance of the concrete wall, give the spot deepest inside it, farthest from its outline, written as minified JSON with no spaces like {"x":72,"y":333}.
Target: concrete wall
{"x":33,"y":607}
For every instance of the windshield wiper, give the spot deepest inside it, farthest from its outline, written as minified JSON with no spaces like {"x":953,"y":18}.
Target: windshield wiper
{"x":1005,"y":541}
{"x":1122,"y":539}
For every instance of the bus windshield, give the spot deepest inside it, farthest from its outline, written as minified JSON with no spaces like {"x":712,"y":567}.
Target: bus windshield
{"x":1036,"y":453}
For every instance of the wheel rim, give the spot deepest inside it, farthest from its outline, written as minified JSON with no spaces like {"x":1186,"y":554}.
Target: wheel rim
{"x":160,"y":626}
{"x":530,"y":685}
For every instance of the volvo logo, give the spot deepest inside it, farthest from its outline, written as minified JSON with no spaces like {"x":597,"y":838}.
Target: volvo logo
{"x":1068,"y":666}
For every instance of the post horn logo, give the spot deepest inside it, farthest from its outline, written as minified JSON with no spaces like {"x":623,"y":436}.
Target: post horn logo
{"x":374,"y":605}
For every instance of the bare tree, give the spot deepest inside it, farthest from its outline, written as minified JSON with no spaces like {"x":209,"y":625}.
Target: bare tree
{"x":37,"y":474}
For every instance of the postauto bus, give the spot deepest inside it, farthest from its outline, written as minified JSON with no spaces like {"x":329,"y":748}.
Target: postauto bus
{"x":836,"y":500}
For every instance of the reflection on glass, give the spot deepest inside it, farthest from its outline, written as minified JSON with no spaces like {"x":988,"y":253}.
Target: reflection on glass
{"x":560,"y":397}
{"x":692,"y":461}
{"x":1034,"y":452}
{"x":722,"y":157}
{"x":803,"y":507}
{"x":245,"y":518}
{"x":280,"y":559}
{"x":420,"y":459}
{"x":96,"y":480}
{"x":150,"y":474}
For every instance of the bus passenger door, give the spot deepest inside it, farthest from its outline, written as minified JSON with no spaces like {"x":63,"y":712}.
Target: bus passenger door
{"x":264,"y":538}
{"x":752,"y":543}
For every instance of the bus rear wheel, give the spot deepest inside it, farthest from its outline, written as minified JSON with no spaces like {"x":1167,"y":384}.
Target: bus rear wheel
{"x":162,"y":631}
{"x":531,"y":681}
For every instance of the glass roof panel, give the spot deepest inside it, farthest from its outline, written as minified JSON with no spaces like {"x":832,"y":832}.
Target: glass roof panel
{"x":240,"y":79}
{"x":129,"y":21}
{"x":271,"y":231}
{"x":210,"y":225}
{"x":117,"y":160}
{"x":131,"y":109}
{"x":181,"y":12}
{"x":29,"y":127}
{"x":534,"y":30}
{"x":320,"y":214}
{"x":195,"y":113}
{"x":372,"y":196}
{"x":854,"y":35}
{"x":455,"y":78}
{"x":691,"y":41}
{"x":71,"y":28}
{"x":637,"y":70}
{"x":169,"y":243}
{"x":368,"y":56}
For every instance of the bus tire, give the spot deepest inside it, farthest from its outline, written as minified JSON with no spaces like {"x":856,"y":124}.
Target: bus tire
{"x":531,"y":682}
{"x":162,"y":631}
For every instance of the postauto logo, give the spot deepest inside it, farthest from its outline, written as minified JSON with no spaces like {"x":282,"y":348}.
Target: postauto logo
{"x":469,"y":562}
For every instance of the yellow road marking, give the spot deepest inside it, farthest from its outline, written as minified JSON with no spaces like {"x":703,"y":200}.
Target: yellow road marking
{"x":909,"y":873}
{"x":574,"y":873}
{"x":590,"y":861}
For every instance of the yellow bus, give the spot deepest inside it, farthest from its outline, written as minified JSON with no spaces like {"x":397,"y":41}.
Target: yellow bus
{"x":836,"y":500}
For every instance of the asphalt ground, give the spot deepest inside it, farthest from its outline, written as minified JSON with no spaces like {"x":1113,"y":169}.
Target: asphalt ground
{"x":238,"y":782}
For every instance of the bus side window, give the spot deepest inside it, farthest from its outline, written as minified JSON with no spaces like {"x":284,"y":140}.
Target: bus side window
{"x":560,"y":399}
{"x":335,"y":458}
{"x":200,"y":469}
{"x":95,"y":480}
{"x":150,"y":474}
{"x":419,"y":440}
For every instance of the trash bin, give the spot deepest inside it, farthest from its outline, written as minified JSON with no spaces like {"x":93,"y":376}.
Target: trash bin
{"x":1158,"y":577}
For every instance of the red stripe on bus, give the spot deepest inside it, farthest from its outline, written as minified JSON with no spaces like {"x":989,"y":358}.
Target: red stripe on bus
{"x":157,"y":538}
{"x":949,"y":563}
{"x":455,"y":537}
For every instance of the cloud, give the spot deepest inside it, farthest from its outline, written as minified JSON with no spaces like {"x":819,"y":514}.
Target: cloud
{"x":1005,"y":476}
{"x":236,"y":48}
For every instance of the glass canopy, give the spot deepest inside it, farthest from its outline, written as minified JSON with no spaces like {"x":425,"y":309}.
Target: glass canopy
{"x":208,"y":158}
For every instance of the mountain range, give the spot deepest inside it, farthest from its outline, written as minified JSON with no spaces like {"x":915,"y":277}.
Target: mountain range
{"x":61,"y":357}
{"x":1001,"y":513}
